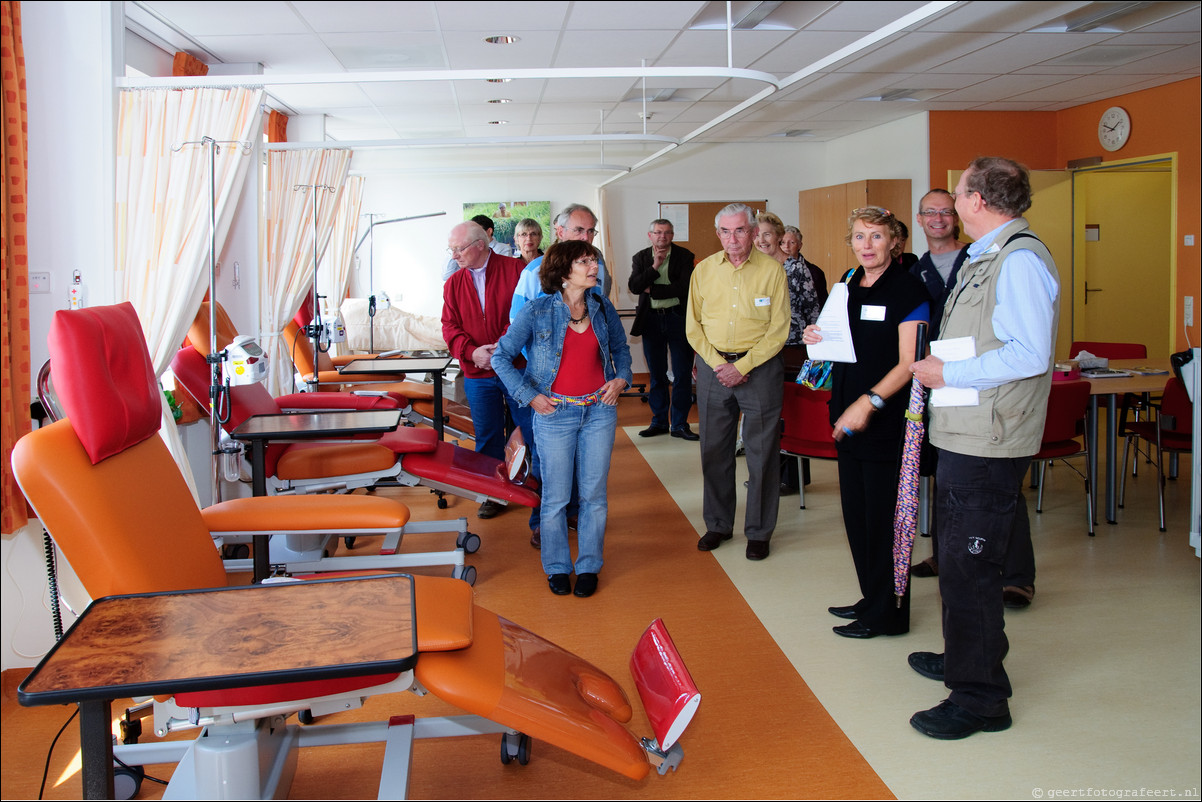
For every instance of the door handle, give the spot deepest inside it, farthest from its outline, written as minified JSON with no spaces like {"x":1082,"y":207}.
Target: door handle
{"x":1087,"y":292}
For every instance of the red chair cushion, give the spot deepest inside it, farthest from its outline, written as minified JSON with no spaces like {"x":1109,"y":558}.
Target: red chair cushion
{"x":110,"y":392}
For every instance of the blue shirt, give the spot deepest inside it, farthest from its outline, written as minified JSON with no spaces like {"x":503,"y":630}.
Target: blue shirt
{"x":1027,"y":295}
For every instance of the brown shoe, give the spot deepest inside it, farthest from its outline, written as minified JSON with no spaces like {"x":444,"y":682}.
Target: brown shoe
{"x":1016,"y":597}
{"x":536,"y":539}
{"x":925,"y":569}
{"x":488,"y":509}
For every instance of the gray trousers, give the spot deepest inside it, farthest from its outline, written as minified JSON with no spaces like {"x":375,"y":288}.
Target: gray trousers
{"x":759,"y":400}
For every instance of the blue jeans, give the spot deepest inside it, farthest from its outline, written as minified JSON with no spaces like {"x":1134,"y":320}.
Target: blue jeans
{"x":579,"y":439}
{"x":664,"y":337}
{"x":488,"y":400}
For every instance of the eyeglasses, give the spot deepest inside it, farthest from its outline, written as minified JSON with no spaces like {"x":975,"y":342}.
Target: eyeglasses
{"x":727,"y":233}
{"x":937,"y":213}
{"x":455,"y":250}
{"x":586,"y":261}
{"x":965,"y":193}
{"x":580,"y":231}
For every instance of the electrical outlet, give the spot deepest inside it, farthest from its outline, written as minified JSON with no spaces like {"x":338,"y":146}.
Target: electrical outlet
{"x":1189,"y":310}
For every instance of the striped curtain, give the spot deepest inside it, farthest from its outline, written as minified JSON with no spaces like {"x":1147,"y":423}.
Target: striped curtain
{"x":298,"y":183}
{"x":15,"y":370}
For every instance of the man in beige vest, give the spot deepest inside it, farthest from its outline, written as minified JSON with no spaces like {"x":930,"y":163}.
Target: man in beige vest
{"x":1007,"y":299}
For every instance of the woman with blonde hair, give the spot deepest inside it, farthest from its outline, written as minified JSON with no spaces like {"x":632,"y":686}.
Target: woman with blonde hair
{"x":769,"y":231}
{"x":868,"y":405}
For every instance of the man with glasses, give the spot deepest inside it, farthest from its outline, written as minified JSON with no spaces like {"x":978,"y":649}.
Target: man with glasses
{"x":938,"y":269}
{"x":576,"y":222}
{"x":475,"y":313}
{"x":1007,"y":300}
{"x":659,"y":276}
{"x":737,"y":320}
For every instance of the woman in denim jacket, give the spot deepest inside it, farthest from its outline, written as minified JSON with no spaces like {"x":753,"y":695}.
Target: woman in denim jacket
{"x":578,"y":364}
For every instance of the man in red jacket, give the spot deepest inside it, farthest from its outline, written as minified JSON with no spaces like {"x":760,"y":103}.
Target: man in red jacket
{"x":475,"y":313}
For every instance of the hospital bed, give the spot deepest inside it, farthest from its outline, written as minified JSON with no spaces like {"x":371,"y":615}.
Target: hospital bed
{"x":109,"y":493}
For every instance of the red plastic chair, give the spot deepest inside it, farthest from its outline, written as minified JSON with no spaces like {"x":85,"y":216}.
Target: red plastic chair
{"x":805,"y":426}
{"x":1171,"y":429}
{"x":1111,"y":350}
{"x":1068,"y":405}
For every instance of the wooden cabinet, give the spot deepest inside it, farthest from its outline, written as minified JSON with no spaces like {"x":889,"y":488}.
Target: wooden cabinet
{"x":822,"y":214}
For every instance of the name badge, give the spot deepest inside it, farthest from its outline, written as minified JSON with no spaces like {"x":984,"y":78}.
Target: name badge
{"x":868,"y":312}
{"x":764,"y":302}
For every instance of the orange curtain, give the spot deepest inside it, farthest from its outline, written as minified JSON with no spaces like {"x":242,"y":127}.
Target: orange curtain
{"x":14,"y":267}
{"x":277,"y":127}
{"x":187,"y":65}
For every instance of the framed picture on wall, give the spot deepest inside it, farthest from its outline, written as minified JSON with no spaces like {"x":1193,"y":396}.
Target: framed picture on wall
{"x":505,"y":216}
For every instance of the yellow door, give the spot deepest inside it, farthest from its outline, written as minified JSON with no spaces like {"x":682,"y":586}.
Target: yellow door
{"x":1122,"y":235}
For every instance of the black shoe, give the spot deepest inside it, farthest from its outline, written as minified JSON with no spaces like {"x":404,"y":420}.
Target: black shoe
{"x":856,"y":630}
{"x":561,"y":584}
{"x":488,"y":509}
{"x":1017,"y":598}
{"x":757,"y":549}
{"x":685,"y":433}
{"x":712,"y":540}
{"x":929,"y":664}
{"x":849,"y":612}
{"x":586,"y":585}
{"x":652,"y":431}
{"x":947,"y":721}
{"x":536,"y":538}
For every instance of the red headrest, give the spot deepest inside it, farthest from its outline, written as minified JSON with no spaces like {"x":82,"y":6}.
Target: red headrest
{"x":104,"y":379}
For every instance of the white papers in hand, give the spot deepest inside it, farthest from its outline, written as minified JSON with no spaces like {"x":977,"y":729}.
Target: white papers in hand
{"x":835,"y":329}
{"x":951,"y":351}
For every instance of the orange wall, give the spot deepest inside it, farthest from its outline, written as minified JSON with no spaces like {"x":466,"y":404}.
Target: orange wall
{"x":1165,"y":119}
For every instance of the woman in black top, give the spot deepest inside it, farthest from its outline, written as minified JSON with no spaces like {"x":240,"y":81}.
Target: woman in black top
{"x":867,"y":409}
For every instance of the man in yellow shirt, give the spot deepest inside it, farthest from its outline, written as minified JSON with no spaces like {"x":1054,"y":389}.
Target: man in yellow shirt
{"x":737,"y":322}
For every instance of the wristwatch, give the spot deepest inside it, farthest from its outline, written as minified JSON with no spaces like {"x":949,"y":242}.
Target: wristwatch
{"x":876,"y":401}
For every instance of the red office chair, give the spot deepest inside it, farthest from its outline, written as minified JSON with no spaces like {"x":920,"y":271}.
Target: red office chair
{"x":1068,"y":405}
{"x":1171,"y":429}
{"x":805,"y":426}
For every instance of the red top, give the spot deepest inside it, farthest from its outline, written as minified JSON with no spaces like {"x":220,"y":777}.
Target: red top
{"x":580,"y":371}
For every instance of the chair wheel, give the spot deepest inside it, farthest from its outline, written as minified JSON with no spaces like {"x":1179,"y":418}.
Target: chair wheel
{"x":127,"y":781}
{"x":469,"y":542}
{"x":305,"y":717}
{"x":349,"y":541}
{"x":465,"y":572}
{"x":442,"y":503}
{"x":515,"y":745}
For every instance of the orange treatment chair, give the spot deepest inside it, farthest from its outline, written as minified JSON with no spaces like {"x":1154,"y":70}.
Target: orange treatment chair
{"x":109,"y":493}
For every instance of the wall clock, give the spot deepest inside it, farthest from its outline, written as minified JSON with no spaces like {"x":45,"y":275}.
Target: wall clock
{"x":1114,"y":128}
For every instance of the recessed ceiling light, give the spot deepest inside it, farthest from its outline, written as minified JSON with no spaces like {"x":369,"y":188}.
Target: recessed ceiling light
{"x":500,"y":100}
{"x":501,"y":40}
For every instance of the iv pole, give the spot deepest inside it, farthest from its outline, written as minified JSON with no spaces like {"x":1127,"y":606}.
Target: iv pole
{"x":214,"y":358}
{"x":315,"y":326}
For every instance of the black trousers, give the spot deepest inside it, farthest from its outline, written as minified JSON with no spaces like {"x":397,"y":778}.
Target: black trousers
{"x":868,"y":491}
{"x":982,"y":518}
